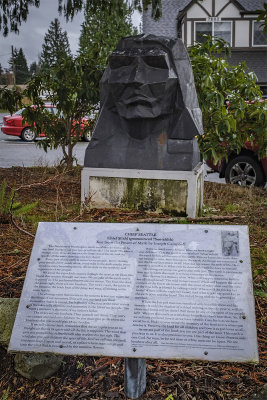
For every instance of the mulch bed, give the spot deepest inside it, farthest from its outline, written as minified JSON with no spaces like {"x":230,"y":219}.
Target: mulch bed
{"x":58,"y":196}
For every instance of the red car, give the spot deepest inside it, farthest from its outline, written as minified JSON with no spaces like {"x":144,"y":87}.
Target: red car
{"x":244,"y":169}
{"x":15,"y":126}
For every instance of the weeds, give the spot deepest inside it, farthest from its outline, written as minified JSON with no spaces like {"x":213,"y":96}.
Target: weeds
{"x":5,"y":395}
{"x":79,"y":365}
{"x":260,"y":283}
{"x":9,"y":207}
{"x":207,"y":210}
{"x":232,"y":208}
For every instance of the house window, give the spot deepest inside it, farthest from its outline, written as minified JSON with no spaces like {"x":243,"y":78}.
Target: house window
{"x":222,"y":30}
{"x":259,"y":37}
{"x":264,"y":92}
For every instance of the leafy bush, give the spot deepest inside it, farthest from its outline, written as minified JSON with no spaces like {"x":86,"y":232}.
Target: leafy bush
{"x":225,"y":93}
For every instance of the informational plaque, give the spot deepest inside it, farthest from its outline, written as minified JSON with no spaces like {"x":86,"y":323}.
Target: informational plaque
{"x":139,"y":290}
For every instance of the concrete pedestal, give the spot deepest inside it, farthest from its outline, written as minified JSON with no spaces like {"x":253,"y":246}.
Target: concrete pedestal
{"x":177,"y":192}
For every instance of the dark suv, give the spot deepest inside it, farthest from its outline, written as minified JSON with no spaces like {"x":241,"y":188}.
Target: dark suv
{"x":244,"y":169}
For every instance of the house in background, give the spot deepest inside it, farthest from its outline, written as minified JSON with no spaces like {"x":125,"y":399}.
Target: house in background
{"x":234,"y":21}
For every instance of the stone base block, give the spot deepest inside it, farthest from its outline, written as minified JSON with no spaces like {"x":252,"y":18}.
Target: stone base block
{"x":177,"y":192}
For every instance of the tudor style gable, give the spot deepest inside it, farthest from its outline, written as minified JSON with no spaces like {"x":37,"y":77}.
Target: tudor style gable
{"x":228,"y":19}
{"x":233,"y":20}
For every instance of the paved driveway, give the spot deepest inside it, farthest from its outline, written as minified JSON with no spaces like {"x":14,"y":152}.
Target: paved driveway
{"x":16,"y":152}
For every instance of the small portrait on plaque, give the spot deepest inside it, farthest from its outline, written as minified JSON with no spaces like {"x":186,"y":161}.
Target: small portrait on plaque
{"x":230,"y":243}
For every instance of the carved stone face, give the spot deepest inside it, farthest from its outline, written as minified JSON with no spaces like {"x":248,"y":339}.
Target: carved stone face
{"x":149,"y":114}
{"x":142,"y":82}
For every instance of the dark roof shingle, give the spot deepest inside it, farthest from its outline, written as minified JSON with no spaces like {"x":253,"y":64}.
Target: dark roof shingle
{"x":248,"y":5}
{"x":256,"y":61}
{"x":252,"y":5}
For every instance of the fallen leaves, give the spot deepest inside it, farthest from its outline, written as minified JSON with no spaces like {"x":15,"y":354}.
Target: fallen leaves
{"x":103,"y":378}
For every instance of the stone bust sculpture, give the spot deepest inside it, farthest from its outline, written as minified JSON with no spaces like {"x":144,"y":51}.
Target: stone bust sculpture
{"x":149,"y":114}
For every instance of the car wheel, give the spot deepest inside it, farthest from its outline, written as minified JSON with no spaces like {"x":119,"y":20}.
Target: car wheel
{"x":88,"y":136}
{"x":28,"y":135}
{"x":244,"y":171}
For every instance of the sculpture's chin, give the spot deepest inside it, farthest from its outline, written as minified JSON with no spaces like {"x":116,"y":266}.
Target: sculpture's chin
{"x":141,"y":134}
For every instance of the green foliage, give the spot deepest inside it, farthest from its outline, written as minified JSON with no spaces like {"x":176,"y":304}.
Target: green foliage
{"x":69,"y":8}
{"x":10,"y":99}
{"x":55,"y":47}
{"x":218,"y":82}
{"x":100,"y":33}
{"x":14,"y":12}
{"x":79,"y":365}
{"x":8,"y":205}
{"x":258,"y":272}
{"x":6,"y":201}
{"x":6,"y":394}
{"x":33,"y":68}
{"x":2,"y":76}
{"x":231,"y":208}
{"x":260,"y":293}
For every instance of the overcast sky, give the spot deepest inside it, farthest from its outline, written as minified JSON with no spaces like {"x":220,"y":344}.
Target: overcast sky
{"x":31,"y":35}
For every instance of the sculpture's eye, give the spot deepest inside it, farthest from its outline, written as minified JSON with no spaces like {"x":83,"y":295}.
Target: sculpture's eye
{"x":156,"y":61}
{"x":120,"y":61}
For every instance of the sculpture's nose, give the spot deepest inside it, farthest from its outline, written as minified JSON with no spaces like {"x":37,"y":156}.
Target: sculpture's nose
{"x":138,"y":72}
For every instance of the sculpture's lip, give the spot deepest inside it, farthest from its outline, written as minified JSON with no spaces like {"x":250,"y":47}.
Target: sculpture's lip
{"x":138,"y":99}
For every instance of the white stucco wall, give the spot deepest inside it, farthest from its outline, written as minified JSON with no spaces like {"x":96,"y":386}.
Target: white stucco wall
{"x":207,"y":4}
{"x":189,"y":36}
{"x":219,"y":5}
{"x":230,"y":11}
{"x":196,"y":12}
{"x":183,"y":32}
{"x":242,"y":34}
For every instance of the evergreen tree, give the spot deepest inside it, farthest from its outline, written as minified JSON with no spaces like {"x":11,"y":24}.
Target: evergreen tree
{"x":2,"y":77}
{"x":33,"y":68}
{"x":19,"y":66}
{"x":22,"y":71}
{"x":101,"y":31}
{"x":55,"y":47}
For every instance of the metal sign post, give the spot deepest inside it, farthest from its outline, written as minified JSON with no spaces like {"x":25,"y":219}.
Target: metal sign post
{"x":134,"y":377}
